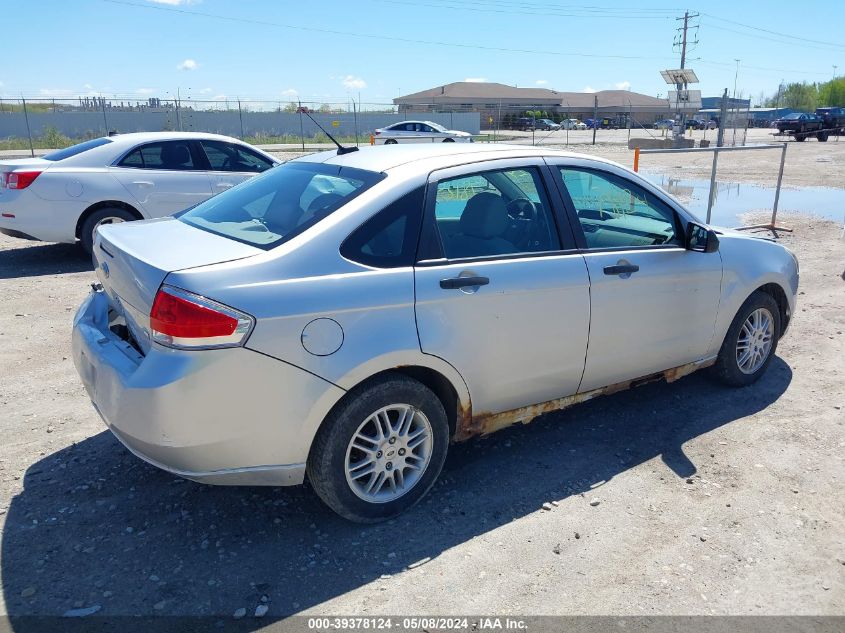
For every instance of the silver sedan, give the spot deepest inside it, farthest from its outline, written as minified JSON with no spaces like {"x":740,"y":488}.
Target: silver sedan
{"x":346,"y":316}
{"x":418,"y":132}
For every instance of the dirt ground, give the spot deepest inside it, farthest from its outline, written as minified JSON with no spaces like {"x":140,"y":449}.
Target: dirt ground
{"x":710,"y":500}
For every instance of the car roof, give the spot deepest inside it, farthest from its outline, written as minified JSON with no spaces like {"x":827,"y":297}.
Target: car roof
{"x":132,"y":138}
{"x":381,"y":158}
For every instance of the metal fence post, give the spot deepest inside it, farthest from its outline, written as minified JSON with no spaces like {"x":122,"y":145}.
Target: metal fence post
{"x":105,"y":121}
{"x":241,"y":118}
{"x":711,"y":198}
{"x":301,"y":130}
{"x":595,"y":116}
{"x":355,"y":120}
{"x":780,"y":181}
{"x":28,"y":131}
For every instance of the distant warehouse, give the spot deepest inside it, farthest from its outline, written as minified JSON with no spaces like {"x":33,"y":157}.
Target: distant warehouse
{"x":498,"y":102}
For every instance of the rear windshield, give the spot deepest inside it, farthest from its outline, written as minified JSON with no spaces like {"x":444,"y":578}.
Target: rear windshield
{"x":73,"y":150}
{"x":284,"y":201}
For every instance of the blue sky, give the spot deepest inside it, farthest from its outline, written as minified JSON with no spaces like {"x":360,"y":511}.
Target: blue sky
{"x":330,"y":50}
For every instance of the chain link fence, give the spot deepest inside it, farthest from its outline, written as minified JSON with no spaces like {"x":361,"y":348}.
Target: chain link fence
{"x":47,"y":123}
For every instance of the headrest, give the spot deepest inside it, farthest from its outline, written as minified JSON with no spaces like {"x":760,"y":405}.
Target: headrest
{"x":484,"y":216}
{"x":173,"y":154}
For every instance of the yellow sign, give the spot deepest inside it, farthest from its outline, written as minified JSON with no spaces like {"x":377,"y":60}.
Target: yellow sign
{"x":335,"y":123}
{"x":490,"y":120}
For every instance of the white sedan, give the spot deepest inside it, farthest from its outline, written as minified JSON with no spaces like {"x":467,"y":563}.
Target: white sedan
{"x":418,"y":132}
{"x":66,"y":195}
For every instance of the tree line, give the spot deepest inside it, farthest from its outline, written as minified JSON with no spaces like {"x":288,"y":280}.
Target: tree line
{"x":806,"y":97}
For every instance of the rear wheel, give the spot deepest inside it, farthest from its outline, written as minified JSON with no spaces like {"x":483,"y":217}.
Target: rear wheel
{"x":822,"y":136}
{"x":800,"y":137}
{"x":381,"y":450}
{"x":101,"y":217}
{"x":390,"y":141}
{"x":448,"y":140}
{"x":751,"y":341}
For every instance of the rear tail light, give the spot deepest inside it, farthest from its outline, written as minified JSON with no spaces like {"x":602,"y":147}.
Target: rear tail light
{"x":186,"y":320}
{"x":18,"y":179}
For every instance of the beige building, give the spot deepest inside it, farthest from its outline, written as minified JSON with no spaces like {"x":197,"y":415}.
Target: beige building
{"x":497,"y":102}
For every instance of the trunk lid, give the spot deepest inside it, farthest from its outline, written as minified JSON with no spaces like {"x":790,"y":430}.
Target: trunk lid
{"x":132,"y":260}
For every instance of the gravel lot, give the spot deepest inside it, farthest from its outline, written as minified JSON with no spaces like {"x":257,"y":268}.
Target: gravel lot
{"x":687,"y":498}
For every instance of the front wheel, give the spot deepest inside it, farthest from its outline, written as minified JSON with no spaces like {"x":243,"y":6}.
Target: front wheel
{"x":750,"y":343}
{"x":380,"y":451}
{"x":101,"y":217}
{"x":390,"y":141}
{"x":448,"y":140}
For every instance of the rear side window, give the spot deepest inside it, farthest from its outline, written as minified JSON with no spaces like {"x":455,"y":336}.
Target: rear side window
{"x":230,"y":157}
{"x":281,"y":203}
{"x":172,"y":155}
{"x":73,"y":150}
{"x":389,"y":238}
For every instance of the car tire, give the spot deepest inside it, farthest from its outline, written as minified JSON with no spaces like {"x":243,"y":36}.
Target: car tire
{"x":822,"y":136}
{"x":749,"y":333}
{"x":336,"y":461}
{"x":448,"y":140}
{"x":390,"y":141}
{"x":107,"y":215}
{"x":800,"y":137}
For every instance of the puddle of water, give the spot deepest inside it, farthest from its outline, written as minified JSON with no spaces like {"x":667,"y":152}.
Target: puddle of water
{"x":734,"y":199}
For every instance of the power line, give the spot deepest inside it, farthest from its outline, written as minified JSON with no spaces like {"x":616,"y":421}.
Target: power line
{"x":388,"y":38}
{"x":773,"y":39}
{"x":786,"y":35}
{"x":520,"y":9}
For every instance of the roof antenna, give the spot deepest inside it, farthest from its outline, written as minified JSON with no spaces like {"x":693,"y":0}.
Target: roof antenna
{"x":340,"y":148}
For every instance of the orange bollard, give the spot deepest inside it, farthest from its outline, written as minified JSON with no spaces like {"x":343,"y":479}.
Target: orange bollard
{"x":636,"y":159}
{"x":372,"y":140}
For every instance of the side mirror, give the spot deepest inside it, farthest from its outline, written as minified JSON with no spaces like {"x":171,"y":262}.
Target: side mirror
{"x":701,"y":239}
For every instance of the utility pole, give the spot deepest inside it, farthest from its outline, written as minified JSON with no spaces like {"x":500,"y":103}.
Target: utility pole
{"x":684,"y":31}
{"x":834,"y":71}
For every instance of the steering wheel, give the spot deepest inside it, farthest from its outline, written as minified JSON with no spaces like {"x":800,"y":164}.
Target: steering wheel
{"x":522,"y":214}
{"x":522,"y":209}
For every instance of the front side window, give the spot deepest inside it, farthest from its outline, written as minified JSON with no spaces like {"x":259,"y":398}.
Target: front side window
{"x":271,"y":208}
{"x":230,"y":157}
{"x":616,"y":213}
{"x":501,"y":212}
{"x":170,"y":155}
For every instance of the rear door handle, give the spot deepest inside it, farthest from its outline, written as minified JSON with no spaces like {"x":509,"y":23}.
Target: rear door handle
{"x":621,"y":269}
{"x":143,"y":183}
{"x":463,"y":282}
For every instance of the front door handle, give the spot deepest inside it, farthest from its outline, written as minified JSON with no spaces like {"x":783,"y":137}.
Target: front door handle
{"x":463,"y":282}
{"x":621,"y":269}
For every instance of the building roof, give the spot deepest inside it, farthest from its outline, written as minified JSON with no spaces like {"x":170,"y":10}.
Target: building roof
{"x":488,"y":92}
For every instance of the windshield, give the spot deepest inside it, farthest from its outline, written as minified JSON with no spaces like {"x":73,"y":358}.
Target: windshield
{"x":281,"y":203}
{"x":792,"y":116}
{"x":73,"y":150}
{"x":436,"y":126}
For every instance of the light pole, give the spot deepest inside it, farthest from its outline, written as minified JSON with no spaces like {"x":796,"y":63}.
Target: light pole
{"x":834,"y":71}
{"x":736,"y":74}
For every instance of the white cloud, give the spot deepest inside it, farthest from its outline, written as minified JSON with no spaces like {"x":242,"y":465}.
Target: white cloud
{"x":623,"y":85}
{"x":206,"y":91}
{"x":188,"y":64}
{"x":588,"y":89}
{"x":220,"y":97}
{"x":146,"y":91}
{"x":88,"y":87}
{"x":290,"y":92}
{"x":351,"y":82}
{"x":476,"y":80}
{"x":541,"y":82}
